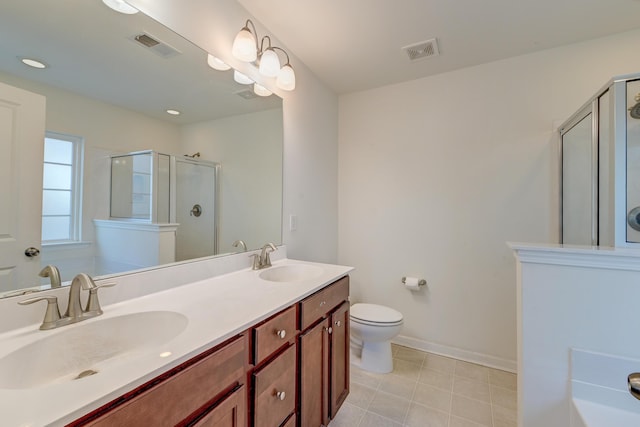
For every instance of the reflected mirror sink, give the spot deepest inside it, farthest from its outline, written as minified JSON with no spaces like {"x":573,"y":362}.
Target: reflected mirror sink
{"x":291,"y":273}
{"x":82,"y":349}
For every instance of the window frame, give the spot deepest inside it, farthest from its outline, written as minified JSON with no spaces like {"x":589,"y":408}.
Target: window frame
{"x":77,"y":168}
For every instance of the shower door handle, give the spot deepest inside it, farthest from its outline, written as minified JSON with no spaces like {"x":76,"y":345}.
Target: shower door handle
{"x":196,"y":211}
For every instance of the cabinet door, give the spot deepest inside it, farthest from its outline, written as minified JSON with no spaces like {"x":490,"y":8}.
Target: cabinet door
{"x":314,"y":376}
{"x":230,"y":413}
{"x":275,"y":390}
{"x":339,"y":362}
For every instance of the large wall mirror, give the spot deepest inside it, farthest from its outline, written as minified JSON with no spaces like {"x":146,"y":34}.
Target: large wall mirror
{"x":109,"y":81}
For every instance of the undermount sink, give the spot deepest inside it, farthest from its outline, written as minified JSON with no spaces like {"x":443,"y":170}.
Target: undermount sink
{"x":291,"y":273}
{"x":83,"y":349}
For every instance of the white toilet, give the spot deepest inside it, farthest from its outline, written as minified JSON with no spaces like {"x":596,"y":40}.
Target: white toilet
{"x":372,"y":328}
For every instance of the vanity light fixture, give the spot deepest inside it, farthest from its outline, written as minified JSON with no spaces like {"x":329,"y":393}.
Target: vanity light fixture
{"x":173,"y":112}
{"x":34,"y":63}
{"x":217,"y":63}
{"x":241,"y":78}
{"x":121,"y":6}
{"x":261,"y":90}
{"x":246,"y":48}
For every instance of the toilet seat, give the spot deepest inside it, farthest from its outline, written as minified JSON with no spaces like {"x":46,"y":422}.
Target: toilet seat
{"x":375,"y":315}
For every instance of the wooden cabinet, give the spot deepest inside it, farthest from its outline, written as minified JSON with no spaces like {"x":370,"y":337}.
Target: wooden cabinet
{"x":181,"y":395}
{"x":339,"y":358}
{"x":275,"y":390}
{"x":314,"y":379}
{"x":271,"y":375}
{"x":324,"y":354}
{"x":231,"y":412}
{"x":274,"y":333}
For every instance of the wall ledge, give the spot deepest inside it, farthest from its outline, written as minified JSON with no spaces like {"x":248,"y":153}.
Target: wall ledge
{"x":607,"y":258}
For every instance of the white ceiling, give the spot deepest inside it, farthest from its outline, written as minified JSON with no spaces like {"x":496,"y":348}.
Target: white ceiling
{"x":353,"y":45}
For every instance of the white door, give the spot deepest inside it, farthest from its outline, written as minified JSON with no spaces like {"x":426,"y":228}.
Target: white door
{"x":22,"y":127}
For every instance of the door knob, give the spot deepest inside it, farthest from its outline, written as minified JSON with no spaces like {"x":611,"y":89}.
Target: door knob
{"x":32,"y":252}
{"x":196,"y":211}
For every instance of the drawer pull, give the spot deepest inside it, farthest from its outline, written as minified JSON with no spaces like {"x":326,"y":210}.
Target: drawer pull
{"x":329,"y":330}
{"x":338,"y":323}
{"x":280,"y":395}
{"x":281,"y":334}
{"x":322,"y":303}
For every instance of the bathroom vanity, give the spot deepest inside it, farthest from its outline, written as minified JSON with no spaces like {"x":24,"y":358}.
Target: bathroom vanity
{"x":259,"y":348}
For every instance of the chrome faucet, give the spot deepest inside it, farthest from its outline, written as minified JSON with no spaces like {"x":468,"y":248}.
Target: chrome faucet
{"x":52,"y":272}
{"x":75,"y":313}
{"x":263,"y":260}
{"x":240,"y":243}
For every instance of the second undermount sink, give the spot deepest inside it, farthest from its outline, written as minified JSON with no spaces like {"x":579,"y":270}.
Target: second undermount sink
{"x":291,"y":273}
{"x":83,"y":349}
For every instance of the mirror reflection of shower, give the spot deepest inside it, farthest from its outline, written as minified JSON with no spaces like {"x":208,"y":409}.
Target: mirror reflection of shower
{"x":169,"y":203}
{"x":634,"y":111}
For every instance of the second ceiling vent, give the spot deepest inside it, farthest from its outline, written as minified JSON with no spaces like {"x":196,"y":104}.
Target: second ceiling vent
{"x":422,"y":50}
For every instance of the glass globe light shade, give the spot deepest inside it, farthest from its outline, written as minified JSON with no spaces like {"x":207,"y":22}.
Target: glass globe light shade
{"x":261,"y":90}
{"x":244,"y":46}
{"x":269,"y":63}
{"x":241,"y":78}
{"x":286,"y":78}
{"x":217,"y":63}
{"x":121,"y":6}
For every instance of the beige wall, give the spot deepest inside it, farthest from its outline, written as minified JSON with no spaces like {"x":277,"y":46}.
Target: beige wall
{"x":437,"y":174}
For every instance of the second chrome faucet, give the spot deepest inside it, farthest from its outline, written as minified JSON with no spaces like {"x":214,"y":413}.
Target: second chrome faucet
{"x":263,"y":260}
{"x":75,"y":313}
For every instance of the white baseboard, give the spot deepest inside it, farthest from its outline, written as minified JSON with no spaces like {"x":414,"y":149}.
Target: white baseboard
{"x":457,"y":353}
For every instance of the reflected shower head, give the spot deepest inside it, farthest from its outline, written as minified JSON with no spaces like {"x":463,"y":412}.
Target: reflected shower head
{"x":634,"y":111}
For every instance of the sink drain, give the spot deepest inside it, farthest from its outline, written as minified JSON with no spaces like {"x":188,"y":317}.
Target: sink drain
{"x":86,"y":373}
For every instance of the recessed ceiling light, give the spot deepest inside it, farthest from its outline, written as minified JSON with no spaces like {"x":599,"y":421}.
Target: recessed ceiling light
{"x":120,"y":6}
{"x":33,"y":63}
{"x":173,"y":112}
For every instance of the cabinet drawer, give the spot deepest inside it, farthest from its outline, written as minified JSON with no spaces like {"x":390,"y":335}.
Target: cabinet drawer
{"x":291,"y":422}
{"x":274,"y":333}
{"x":179,"y":396}
{"x":231,"y":412}
{"x":317,"y":305}
{"x":275,"y":390}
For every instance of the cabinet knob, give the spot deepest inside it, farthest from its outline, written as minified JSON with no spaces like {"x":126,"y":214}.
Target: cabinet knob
{"x":281,"y":333}
{"x":280,"y":395}
{"x":322,"y":303}
{"x":338,"y":323}
{"x":329,"y":329}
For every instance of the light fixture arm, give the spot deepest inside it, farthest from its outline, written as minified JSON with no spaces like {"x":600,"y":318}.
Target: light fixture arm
{"x":262,"y":45}
{"x":255,"y":32}
{"x":283,"y":51}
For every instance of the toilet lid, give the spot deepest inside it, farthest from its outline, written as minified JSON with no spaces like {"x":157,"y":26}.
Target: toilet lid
{"x":375,"y":313}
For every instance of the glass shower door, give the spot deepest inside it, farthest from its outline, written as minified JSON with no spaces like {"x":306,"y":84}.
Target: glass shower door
{"x":579,"y":183}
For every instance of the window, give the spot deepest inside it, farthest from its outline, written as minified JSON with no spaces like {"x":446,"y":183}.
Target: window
{"x":62,"y":188}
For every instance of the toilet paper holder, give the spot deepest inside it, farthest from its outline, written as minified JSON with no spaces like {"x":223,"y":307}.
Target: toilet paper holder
{"x":421,"y":282}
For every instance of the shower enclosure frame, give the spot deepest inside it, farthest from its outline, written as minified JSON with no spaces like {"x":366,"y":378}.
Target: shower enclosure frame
{"x":608,"y":146}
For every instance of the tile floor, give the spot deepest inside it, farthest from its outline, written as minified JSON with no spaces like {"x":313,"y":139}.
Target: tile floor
{"x":426,"y":390}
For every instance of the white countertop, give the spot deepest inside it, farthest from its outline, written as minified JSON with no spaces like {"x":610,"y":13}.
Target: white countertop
{"x":217,"y":309}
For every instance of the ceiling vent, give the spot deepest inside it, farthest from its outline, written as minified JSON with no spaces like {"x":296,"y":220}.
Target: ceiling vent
{"x":246,"y":94}
{"x":422,"y":50}
{"x":155,"y":45}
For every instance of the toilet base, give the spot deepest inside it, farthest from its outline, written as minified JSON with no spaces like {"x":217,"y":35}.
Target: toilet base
{"x":376,"y":357}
